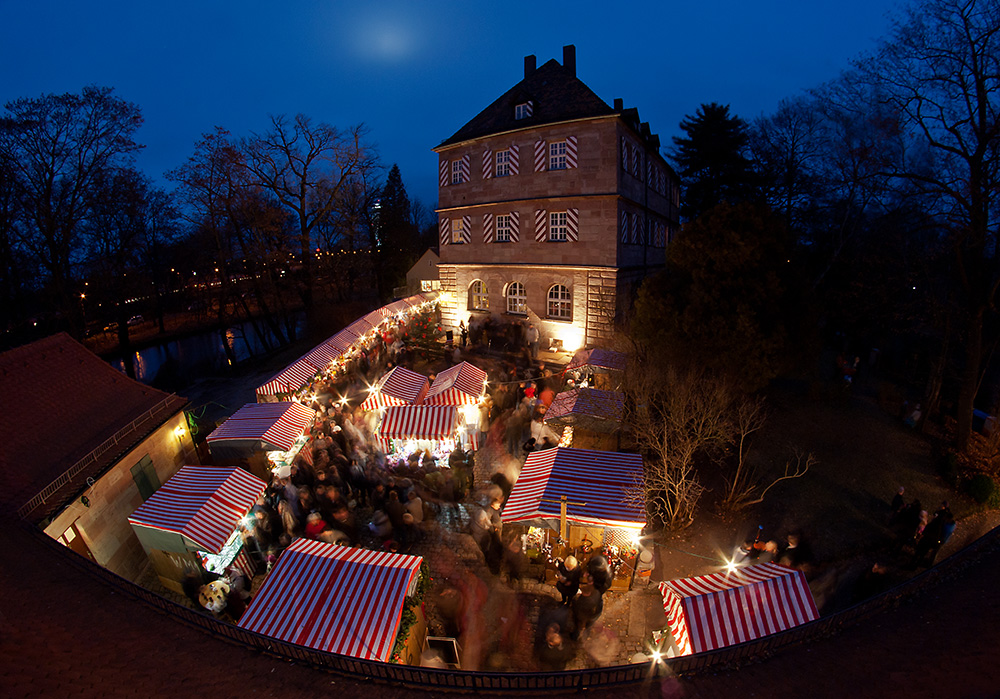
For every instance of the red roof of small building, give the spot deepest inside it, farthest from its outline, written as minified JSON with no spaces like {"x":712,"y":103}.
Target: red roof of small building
{"x":62,"y":402}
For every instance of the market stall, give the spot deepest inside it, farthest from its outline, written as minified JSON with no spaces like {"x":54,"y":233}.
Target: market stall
{"x":575,"y":501}
{"x":262,"y":437}
{"x":194,"y":520}
{"x":589,"y":417}
{"x":289,"y":380}
{"x":398,"y":386}
{"x":462,"y":384}
{"x":405,"y":429}
{"x":723,"y":609}
{"x":600,"y":368}
{"x":340,"y":599}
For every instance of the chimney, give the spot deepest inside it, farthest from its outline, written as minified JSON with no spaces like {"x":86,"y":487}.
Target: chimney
{"x":569,"y":59}
{"x":529,"y":65}
{"x":619,"y":104}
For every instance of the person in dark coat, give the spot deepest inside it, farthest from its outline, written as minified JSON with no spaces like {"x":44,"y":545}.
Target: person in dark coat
{"x":554,"y":647}
{"x":395,"y":509}
{"x":568,"y":578}
{"x":600,"y":573}
{"x":587,"y":606}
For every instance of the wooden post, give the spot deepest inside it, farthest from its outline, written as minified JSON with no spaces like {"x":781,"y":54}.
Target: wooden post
{"x":563,"y":502}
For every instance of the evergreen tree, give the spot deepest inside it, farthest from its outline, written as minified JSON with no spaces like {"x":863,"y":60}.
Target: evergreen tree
{"x":712,"y":160}
{"x":395,"y":234}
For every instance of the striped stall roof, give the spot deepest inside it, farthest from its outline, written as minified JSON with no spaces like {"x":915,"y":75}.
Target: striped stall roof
{"x":204,"y":504}
{"x":598,"y":358}
{"x":589,"y":408}
{"x":360,"y":327}
{"x":322,"y":354}
{"x":337,"y":599}
{"x":723,"y":609}
{"x":290,"y":379}
{"x":275,"y":425}
{"x":598,"y":478}
{"x":399,"y":386}
{"x":377,"y":317}
{"x":400,"y":306}
{"x":462,"y":384}
{"x":419,"y":422}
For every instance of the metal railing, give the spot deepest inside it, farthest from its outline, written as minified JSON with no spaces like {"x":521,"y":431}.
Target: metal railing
{"x":92,"y":457}
{"x":420,"y":677}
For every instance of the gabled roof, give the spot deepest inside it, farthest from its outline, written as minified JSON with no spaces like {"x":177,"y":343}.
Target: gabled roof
{"x":61,"y":403}
{"x":556,"y":95}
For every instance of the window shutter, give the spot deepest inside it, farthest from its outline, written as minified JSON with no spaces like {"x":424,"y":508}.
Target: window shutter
{"x":635,"y":228}
{"x":487,"y":164}
{"x":487,"y":228}
{"x":466,"y":229}
{"x":573,"y":225}
{"x":541,"y":153}
{"x":623,"y":225}
{"x":444,"y":172}
{"x":464,"y":168}
{"x":541,"y":225}
{"x":636,"y":162}
{"x":513,"y":159}
{"x":650,"y":177}
{"x":144,"y":475}
{"x":571,"y":151}
{"x":624,"y":154}
{"x":515,"y":226}
{"x":444,"y":228}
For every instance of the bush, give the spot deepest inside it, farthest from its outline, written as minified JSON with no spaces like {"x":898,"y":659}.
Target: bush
{"x":983,"y":489}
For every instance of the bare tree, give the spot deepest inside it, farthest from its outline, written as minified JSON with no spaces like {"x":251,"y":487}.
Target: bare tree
{"x":754,"y":491}
{"x":676,"y":417}
{"x":750,"y":417}
{"x":306,"y":167}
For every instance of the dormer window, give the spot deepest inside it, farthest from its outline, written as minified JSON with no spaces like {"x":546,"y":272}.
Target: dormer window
{"x":523,"y":110}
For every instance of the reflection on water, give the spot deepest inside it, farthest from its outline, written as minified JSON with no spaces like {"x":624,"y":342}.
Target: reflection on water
{"x":199,"y":355}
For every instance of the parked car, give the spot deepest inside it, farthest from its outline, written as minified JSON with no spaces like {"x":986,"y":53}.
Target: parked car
{"x":135,"y":320}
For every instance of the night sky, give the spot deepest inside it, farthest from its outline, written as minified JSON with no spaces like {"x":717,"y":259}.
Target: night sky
{"x":415,"y":72}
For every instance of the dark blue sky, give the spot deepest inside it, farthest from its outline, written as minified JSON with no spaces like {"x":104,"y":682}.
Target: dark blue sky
{"x":415,"y":72}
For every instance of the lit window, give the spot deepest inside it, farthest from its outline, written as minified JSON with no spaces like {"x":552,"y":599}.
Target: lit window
{"x":456,"y":172}
{"x":522,"y":111}
{"x":557,"y":227}
{"x":479,"y":299}
{"x":504,"y":228}
{"x":517,"y":302}
{"x":557,"y":155}
{"x":503,"y":163}
{"x":560,"y":303}
{"x":457,"y":231}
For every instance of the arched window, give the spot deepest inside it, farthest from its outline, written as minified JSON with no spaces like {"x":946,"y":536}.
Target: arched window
{"x":517,"y":301}
{"x":479,"y":298}
{"x":560,"y":303}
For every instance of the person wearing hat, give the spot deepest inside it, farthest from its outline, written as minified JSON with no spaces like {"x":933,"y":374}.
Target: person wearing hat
{"x":568,"y":578}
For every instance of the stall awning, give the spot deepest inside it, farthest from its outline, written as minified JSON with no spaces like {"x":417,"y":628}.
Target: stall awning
{"x":419,"y":422}
{"x":378,"y":316}
{"x":597,"y":478}
{"x":337,"y":599}
{"x":264,"y":426}
{"x":204,"y":504}
{"x":462,"y":384}
{"x":361,"y":327}
{"x":598,"y":358}
{"x":290,"y":379}
{"x":588,"y":408}
{"x":322,"y":355}
{"x":723,"y":609}
{"x":399,"y":386}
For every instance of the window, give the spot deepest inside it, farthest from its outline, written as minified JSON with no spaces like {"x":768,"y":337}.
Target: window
{"x":479,"y":298}
{"x":456,"y":172}
{"x":560,"y":303}
{"x":557,"y":227}
{"x":457,"y":231}
{"x":504,"y":228}
{"x":522,"y":111}
{"x":503,"y":163}
{"x":557,"y":155}
{"x":144,"y":475}
{"x":517,"y":302}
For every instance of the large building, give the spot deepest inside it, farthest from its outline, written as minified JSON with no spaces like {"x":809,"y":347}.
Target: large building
{"x":553,"y":206}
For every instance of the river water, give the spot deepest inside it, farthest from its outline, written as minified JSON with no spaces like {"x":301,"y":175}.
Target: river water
{"x":186,"y":359}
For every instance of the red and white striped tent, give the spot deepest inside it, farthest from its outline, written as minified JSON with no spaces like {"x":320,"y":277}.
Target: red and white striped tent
{"x":202,"y":504}
{"x":261,"y":427}
{"x":462,"y":384}
{"x":588,"y":408}
{"x":333,"y":598}
{"x":597,"y":478}
{"x":322,"y":355}
{"x":361,"y":327}
{"x":723,"y":609}
{"x":290,"y":379}
{"x":399,"y":386}
{"x":378,"y":316}
{"x":430,"y":422}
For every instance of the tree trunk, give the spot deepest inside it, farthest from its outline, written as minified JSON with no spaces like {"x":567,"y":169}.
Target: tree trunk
{"x":970,"y":379}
